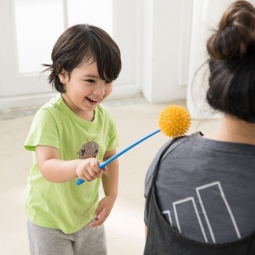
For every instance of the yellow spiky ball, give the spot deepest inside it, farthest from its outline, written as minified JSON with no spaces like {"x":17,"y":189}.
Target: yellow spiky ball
{"x":174,"y":121}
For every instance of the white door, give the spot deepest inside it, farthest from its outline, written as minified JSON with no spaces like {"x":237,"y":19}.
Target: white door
{"x":24,"y":46}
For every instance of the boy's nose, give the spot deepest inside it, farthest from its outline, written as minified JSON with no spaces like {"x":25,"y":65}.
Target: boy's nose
{"x":100,"y":90}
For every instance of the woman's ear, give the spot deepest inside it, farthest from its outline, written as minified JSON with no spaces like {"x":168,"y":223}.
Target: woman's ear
{"x":63,"y":76}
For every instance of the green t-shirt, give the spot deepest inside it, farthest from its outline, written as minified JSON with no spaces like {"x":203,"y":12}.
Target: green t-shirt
{"x":66,"y":206}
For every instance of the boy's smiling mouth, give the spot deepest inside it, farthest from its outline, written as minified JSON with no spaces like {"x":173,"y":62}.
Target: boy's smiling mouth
{"x":92,"y":100}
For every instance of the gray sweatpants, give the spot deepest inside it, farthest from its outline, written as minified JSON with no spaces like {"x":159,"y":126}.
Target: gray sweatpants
{"x":47,"y":241}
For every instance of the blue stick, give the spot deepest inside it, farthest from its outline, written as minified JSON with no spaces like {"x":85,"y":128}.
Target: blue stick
{"x":104,"y":164}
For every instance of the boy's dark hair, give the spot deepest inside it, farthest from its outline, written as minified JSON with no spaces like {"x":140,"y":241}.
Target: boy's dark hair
{"x":232,"y":63}
{"x":79,"y":44}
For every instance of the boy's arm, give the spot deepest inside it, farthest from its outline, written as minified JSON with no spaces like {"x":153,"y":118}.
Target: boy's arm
{"x":56,"y":170}
{"x":110,"y":179}
{"x":110,"y":185}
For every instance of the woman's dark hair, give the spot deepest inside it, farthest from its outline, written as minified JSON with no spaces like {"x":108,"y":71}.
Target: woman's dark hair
{"x":79,"y":44}
{"x":232,"y":63}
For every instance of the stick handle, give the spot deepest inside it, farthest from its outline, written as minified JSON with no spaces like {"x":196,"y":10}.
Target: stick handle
{"x":104,"y":164}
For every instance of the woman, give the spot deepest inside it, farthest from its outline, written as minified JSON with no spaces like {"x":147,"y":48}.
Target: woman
{"x":200,"y":189}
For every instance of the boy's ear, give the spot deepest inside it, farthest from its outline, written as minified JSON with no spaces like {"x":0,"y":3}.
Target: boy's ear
{"x":63,"y":76}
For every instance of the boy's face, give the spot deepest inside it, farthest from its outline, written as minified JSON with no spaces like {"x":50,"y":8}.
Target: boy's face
{"x":85,"y":90}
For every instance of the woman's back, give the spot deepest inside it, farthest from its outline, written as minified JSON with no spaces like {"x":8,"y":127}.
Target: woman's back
{"x":205,"y":188}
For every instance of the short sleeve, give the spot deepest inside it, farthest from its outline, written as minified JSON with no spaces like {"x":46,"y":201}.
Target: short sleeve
{"x":43,"y":131}
{"x":106,"y":122}
{"x":114,"y":138}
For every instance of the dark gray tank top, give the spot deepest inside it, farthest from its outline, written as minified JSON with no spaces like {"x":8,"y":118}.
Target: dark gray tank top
{"x":163,"y":239}
{"x":206,"y":189}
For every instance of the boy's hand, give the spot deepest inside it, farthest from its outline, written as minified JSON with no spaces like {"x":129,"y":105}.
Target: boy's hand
{"x":103,"y":210}
{"x":89,"y":170}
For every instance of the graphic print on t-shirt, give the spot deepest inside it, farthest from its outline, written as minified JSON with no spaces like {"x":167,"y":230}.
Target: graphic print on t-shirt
{"x":207,"y":194}
{"x":88,"y":150}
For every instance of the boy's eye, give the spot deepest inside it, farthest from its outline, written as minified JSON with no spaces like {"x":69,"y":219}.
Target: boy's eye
{"x":90,"y":81}
{"x":108,"y":82}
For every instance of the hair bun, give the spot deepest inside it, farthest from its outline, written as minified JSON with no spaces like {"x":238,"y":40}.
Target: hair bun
{"x":235,"y":37}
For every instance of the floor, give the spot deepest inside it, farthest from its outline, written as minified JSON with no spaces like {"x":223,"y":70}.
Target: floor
{"x":135,"y":119}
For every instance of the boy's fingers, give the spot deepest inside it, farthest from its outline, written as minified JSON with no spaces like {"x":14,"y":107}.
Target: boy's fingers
{"x":97,"y":222}
{"x":98,"y":212}
{"x":89,"y":177}
{"x":105,"y":170}
{"x":94,"y":174}
{"x":99,"y":218}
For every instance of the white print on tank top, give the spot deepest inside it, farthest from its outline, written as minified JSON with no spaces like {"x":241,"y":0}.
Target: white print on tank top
{"x":206,"y":194}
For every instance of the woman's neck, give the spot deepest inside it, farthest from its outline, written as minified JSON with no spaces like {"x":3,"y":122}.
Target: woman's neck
{"x":234,"y":130}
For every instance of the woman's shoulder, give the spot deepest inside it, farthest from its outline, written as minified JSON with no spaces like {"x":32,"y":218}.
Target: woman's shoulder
{"x":178,"y":141}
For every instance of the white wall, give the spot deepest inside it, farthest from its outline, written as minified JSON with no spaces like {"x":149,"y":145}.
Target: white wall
{"x":125,"y":33}
{"x":160,"y":50}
